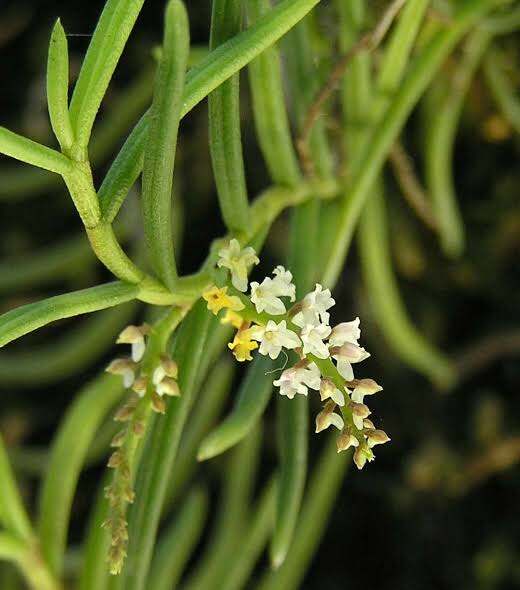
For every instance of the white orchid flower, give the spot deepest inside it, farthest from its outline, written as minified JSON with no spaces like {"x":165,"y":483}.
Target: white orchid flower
{"x":313,"y":337}
{"x":238,"y":262}
{"x":274,"y":337}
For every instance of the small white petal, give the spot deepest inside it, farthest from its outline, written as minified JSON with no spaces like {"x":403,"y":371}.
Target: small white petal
{"x":344,"y":368}
{"x":345,"y":332}
{"x":158,"y":375}
{"x":338,"y":397}
{"x":128,"y":378}
{"x":312,"y":338}
{"x":337,"y":421}
{"x":358,"y":422}
{"x":264,"y":297}
{"x":138,"y":350}
{"x":357,"y":396}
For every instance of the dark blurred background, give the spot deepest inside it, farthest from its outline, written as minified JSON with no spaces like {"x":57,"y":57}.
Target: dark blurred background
{"x":440,"y":508}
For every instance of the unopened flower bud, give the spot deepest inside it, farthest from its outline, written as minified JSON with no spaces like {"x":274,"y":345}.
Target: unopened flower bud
{"x":169,"y":366}
{"x":168,"y":386}
{"x":327,"y":417}
{"x":130,"y":335}
{"x":158,"y":404}
{"x":138,"y":428}
{"x":140,"y":385}
{"x":359,"y":412}
{"x":115,"y":460}
{"x":134,"y":335}
{"x":328,"y":390}
{"x":365,"y":387}
{"x":129,"y":495}
{"x":126,"y":412}
{"x":125,"y":368}
{"x":346,"y":440}
{"x":377,"y":437}
{"x":118,"y":439}
{"x":360,"y":458}
{"x":361,"y":455}
{"x":368,"y":424}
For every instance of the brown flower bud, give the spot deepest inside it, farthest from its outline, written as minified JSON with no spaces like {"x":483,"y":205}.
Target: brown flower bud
{"x":377,"y":437}
{"x":118,"y":439}
{"x":158,"y":404}
{"x":140,"y":385}
{"x":168,"y":386}
{"x":169,"y":366}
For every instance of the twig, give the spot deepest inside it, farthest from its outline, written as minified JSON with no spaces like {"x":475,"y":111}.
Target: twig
{"x":483,"y":353}
{"x":411,"y":187}
{"x":499,"y":457}
{"x":367,"y":42}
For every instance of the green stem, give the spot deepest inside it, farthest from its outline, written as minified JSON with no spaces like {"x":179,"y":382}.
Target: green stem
{"x":68,"y":354}
{"x":501,"y":88}
{"x":255,"y":538}
{"x":440,"y":145}
{"x":105,"y":49}
{"x":224,"y":125}
{"x":269,"y":111}
{"x":252,"y":400}
{"x":178,"y":541}
{"x":161,"y":144}
{"x":27,"y":318}
{"x":30,"y":152}
{"x":325,"y":483}
{"x":238,"y":483}
{"x":387,"y":304}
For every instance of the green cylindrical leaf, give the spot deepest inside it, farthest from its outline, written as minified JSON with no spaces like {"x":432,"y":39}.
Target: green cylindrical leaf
{"x":226,"y":539}
{"x":269,"y":111}
{"x":387,"y":305}
{"x":440,"y":145}
{"x":252,"y":399}
{"x":68,"y":454}
{"x":67,"y":355}
{"x":255,"y":537}
{"x":26,"y":150}
{"x":13,"y":515}
{"x":124,"y":171}
{"x":25,"y":319}
{"x":323,"y":487}
{"x":224,"y":125}
{"x":161,"y":143}
{"x":292,"y":440}
{"x":94,"y":572}
{"x":178,"y":541}
{"x":501,"y":88}
{"x":209,"y":403}
{"x":105,"y":49}
{"x":58,"y":87}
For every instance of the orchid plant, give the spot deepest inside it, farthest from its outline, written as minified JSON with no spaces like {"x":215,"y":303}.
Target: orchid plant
{"x":166,"y":393}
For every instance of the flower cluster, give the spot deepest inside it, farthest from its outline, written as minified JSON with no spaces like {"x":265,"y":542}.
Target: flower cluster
{"x":326,"y":353}
{"x":151,"y":378}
